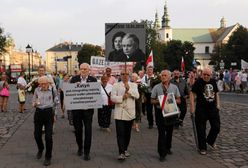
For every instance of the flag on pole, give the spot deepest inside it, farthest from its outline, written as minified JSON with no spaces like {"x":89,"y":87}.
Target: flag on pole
{"x":149,"y":61}
{"x":182,"y":65}
{"x":244,"y":64}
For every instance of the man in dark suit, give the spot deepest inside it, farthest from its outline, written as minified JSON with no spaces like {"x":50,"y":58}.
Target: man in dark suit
{"x":83,"y":117}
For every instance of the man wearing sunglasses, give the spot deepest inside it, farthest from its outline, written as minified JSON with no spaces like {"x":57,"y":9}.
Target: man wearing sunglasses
{"x":205,"y":92}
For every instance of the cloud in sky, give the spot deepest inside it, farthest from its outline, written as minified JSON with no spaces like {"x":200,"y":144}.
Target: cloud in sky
{"x":43,"y":23}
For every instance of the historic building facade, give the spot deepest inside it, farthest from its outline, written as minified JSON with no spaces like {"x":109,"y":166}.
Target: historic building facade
{"x":63,"y":57}
{"x":203,"y":39}
{"x":14,"y":56}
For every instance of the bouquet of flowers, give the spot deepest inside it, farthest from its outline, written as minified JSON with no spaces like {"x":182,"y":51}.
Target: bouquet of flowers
{"x":142,"y":88}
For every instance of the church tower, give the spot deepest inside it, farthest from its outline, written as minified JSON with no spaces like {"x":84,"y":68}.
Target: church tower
{"x":165,"y":18}
{"x":223,"y":23}
{"x":165,"y":33}
{"x":156,"y":22}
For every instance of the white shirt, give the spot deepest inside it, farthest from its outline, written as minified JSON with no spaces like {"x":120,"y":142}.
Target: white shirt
{"x":244,"y":77}
{"x":108,"y":89}
{"x":21,"y":81}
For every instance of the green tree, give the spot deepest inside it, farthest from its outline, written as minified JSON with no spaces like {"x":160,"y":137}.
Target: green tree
{"x":237,"y":47}
{"x":174,"y":52}
{"x":3,"y":41}
{"x":158,"y":49}
{"x":87,"y":51}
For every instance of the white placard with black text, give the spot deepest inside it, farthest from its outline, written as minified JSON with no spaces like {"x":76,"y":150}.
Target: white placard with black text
{"x":82,"y":95}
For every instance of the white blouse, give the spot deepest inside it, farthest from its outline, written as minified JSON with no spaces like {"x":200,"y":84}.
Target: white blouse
{"x":108,"y":89}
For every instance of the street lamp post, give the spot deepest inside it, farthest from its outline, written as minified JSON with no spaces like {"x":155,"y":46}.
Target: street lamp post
{"x":56,"y":65}
{"x":29,"y":50}
{"x":32,"y":57}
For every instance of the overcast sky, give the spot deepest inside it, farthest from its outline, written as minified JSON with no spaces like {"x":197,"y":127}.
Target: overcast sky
{"x":44,"y":23}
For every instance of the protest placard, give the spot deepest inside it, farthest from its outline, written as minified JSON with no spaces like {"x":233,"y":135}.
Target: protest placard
{"x":82,"y":95}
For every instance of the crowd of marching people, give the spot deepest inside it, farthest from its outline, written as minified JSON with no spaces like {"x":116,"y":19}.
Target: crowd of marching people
{"x":232,"y":80}
{"x":129,"y":97}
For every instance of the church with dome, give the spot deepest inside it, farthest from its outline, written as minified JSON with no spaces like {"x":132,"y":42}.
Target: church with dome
{"x":203,"y":39}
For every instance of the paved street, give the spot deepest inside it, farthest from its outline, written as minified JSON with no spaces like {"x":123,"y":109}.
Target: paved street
{"x":18,"y":148}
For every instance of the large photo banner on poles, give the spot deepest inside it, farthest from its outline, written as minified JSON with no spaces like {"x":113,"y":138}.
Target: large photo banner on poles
{"x":125,"y":42}
{"x":82,"y":96}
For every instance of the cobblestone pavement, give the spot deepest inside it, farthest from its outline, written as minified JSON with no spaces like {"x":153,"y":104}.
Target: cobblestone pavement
{"x":232,"y":142}
{"x":11,"y":120}
{"x":233,"y":138}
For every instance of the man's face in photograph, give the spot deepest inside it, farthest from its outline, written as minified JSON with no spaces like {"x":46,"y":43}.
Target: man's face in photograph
{"x":128,"y":46}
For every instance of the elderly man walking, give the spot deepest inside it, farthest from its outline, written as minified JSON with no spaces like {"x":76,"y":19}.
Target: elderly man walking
{"x":44,"y":101}
{"x":83,"y":117}
{"x":165,"y":125}
{"x":205,"y":92}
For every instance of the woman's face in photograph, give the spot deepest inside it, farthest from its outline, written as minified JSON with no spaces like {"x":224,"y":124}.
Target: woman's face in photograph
{"x":117,"y":43}
{"x":128,"y":46}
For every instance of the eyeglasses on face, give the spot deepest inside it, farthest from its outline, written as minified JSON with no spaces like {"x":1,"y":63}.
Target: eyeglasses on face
{"x":124,"y":74}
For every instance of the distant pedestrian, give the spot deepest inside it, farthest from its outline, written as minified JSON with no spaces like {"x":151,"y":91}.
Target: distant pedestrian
{"x":43,"y":100}
{"x":146,"y":80}
{"x":184,"y":92}
{"x":65,"y":79}
{"x":111,"y":79}
{"x":123,"y":95}
{"x":21,"y":85}
{"x":138,"y":103}
{"x":244,"y":78}
{"x":205,"y":92}
{"x":104,"y":113}
{"x":4,"y":93}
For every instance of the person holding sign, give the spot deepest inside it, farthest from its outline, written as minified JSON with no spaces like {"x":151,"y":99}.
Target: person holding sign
{"x":123,"y":95}
{"x":83,"y":117}
{"x":165,"y":124}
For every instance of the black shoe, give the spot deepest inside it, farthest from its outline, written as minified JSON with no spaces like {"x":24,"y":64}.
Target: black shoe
{"x":39,"y":154}
{"x":169,"y":152}
{"x":79,"y":152}
{"x":47,"y":162}
{"x":86,"y":157}
{"x":162,"y":158}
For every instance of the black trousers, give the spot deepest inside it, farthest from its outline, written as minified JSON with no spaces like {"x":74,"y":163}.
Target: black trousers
{"x":123,"y":133}
{"x":44,"y":117}
{"x":164,"y":133}
{"x":104,"y":116}
{"x":183,"y":108}
{"x":80,"y":118}
{"x":61,"y":99}
{"x":149,"y":108}
{"x":201,"y":118}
